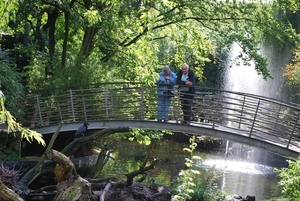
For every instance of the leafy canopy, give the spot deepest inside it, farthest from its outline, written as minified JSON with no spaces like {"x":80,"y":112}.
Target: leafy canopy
{"x":94,"y":40}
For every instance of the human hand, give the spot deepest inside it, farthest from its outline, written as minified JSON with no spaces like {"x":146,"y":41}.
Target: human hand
{"x":188,"y":83}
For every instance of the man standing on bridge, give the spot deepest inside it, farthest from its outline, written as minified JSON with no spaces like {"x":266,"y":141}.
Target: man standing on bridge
{"x":186,"y":80}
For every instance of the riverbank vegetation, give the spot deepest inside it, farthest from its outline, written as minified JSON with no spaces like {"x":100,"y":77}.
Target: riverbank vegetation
{"x":192,"y":185}
{"x":290,"y":180}
{"x":13,"y":129}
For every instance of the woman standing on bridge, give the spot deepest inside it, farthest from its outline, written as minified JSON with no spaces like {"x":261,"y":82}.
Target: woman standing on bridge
{"x":165,"y":87}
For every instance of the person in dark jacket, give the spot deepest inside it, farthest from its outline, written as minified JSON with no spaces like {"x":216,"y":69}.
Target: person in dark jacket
{"x":186,"y":80}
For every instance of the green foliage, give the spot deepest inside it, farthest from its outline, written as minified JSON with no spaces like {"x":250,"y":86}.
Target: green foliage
{"x":186,"y":177}
{"x":14,"y":126}
{"x":193,"y":186}
{"x":8,"y":10}
{"x":35,"y":73}
{"x":290,"y":180}
{"x":186,"y":187}
{"x":8,"y":155}
{"x":292,"y":5}
{"x":292,"y":71}
{"x":144,"y":136}
{"x":10,"y":85}
{"x":129,"y":40}
{"x":206,"y":188}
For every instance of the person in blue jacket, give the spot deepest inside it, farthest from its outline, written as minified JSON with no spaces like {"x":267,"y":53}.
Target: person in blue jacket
{"x":165,"y":87}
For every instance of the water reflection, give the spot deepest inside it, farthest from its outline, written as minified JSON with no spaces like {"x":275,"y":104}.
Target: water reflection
{"x":238,"y":166}
{"x":236,"y":177}
{"x":245,"y":178}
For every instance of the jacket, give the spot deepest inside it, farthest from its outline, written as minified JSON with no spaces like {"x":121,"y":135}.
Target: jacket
{"x":162,"y":82}
{"x":191,"y":77}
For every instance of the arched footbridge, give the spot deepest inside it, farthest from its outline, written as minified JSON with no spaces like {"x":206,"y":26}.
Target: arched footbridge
{"x":254,"y":120}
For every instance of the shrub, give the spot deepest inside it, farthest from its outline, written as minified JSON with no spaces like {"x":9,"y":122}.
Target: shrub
{"x":8,"y":155}
{"x":10,"y":176}
{"x":192,"y":186}
{"x":290,"y":180}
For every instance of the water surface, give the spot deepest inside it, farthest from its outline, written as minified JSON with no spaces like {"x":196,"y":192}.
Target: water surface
{"x":237,"y":176}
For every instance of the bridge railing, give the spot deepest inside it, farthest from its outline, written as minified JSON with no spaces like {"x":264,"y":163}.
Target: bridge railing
{"x":258,"y":117}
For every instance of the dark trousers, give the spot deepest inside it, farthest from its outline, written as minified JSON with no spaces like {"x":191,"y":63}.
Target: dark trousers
{"x":186,"y":100}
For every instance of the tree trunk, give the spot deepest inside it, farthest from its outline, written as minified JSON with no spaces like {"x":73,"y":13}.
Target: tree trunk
{"x":68,"y":150}
{"x":66,"y":37}
{"x":101,"y":161}
{"x":38,"y":169}
{"x":69,"y":187}
{"x":7,"y":194}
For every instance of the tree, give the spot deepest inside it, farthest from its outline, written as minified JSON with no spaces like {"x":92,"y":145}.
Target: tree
{"x":11,"y":86}
{"x":292,"y":71}
{"x":85,"y":40}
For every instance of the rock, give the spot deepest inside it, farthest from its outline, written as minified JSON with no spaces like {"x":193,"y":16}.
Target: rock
{"x":250,"y":198}
{"x":240,"y":198}
{"x":159,"y":188}
{"x":237,"y":198}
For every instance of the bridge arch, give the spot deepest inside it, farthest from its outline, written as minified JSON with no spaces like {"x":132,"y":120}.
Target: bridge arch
{"x":218,"y":132}
{"x":258,"y":121}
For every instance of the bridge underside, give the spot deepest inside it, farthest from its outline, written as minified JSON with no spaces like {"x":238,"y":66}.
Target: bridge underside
{"x":210,"y":130}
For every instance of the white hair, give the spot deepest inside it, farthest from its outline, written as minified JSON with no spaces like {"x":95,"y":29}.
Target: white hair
{"x":186,"y":65}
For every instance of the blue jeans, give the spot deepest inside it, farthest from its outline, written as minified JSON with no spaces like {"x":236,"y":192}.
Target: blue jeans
{"x":163,"y":107}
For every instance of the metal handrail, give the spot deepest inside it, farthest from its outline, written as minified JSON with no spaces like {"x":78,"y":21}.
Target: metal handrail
{"x":260,"y":117}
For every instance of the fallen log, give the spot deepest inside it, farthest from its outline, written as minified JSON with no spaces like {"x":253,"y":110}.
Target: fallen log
{"x":70,"y":186}
{"x":7,"y":194}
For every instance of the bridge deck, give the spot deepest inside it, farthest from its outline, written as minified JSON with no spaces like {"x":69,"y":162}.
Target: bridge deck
{"x":255,"y":120}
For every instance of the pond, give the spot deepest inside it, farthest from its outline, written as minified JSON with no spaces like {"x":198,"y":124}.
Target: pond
{"x":240,"y":173}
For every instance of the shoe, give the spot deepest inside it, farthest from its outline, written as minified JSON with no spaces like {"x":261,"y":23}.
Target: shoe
{"x":166,"y":120}
{"x":159,"y":120}
{"x":186,"y":122}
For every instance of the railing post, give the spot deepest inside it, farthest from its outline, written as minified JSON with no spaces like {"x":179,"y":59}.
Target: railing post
{"x":242,"y":111}
{"x":142,"y":103}
{"x":48,"y":112}
{"x":288,"y":144}
{"x":254,"y":118}
{"x":112,"y":106}
{"x":60,"y":113}
{"x":106,"y":102}
{"x":39,"y":109}
{"x":216,"y":109}
{"x":84,"y":109}
{"x":72,"y":105}
{"x":178,"y":105}
{"x":277,"y":118}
